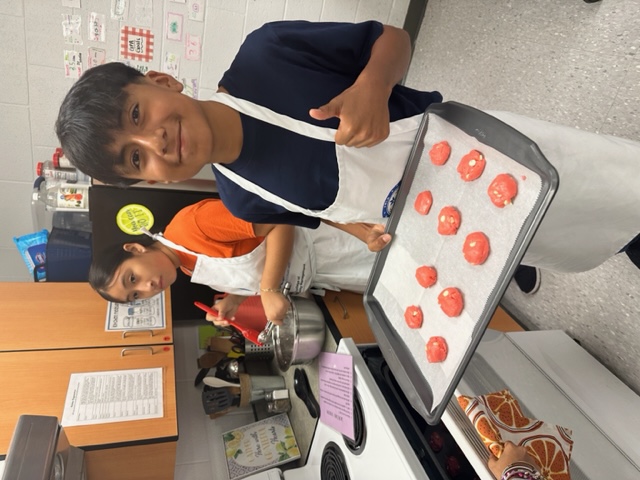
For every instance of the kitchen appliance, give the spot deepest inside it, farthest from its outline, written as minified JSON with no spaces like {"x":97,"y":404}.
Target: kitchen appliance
{"x":380,"y":449}
{"x":553,"y":378}
{"x":420,"y":241}
{"x":39,"y":450}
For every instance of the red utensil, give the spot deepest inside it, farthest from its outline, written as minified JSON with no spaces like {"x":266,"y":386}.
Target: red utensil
{"x":248,"y":333}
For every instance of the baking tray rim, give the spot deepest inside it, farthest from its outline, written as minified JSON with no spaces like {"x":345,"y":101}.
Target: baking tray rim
{"x":507,"y":140}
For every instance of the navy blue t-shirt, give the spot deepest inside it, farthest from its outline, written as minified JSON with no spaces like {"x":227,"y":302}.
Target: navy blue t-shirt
{"x":291,"y":67}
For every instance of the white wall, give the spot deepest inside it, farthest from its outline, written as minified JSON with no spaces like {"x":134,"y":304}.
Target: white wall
{"x":33,"y":82}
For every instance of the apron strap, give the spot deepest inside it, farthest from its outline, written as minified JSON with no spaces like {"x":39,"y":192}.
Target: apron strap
{"x":265,"y":194}
{"x":298,"y":126}
{"x":159,"y":237}
{"x":269,"y":116}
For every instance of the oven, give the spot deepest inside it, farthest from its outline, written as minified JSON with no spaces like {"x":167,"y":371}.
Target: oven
{"x":553,"y":378}
{"x":391,"y":439}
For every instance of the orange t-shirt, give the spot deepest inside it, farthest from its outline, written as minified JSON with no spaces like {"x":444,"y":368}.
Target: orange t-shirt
{"x":207,"y":227}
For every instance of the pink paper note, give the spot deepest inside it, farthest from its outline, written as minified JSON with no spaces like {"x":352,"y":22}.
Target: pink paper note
{"x":336,"y":392}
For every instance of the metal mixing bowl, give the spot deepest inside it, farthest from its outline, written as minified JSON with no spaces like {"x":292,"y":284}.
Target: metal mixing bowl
{"x":301,"y":337}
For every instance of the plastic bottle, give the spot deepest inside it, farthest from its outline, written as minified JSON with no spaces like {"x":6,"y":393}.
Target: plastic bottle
{"x":64,"y":196}
{"x":48,"y":170}
{"x":60,"y":161}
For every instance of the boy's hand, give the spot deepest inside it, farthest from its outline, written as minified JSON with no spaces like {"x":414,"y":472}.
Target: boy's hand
{"x":275,"y":306}
{"x":376,"y":239}
{"x":364,"y":115}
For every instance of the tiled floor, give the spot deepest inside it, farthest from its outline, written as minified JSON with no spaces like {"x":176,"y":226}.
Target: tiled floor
{"x":567,"y":62}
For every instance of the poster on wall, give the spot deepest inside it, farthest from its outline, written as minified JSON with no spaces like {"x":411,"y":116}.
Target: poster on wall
{"x":192,"y":47}
{"x":171,"y":64}
{"x":136,"y":44}
{"x":72,"y":64}
{"x":71,"y":29}
{"x":97,"y":56}
{"x":143,"y":68}
{"x":96,"y":27}
{"x":174,"y":26}
{"x":190,"y":87}
{"x":119,"y":9}
{"x":196,"y":10}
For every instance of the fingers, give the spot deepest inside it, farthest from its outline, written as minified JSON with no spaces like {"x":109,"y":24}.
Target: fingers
{"x":379,"y":243}
{"x":218,"y":321}
{"x":364,"y":136}
{"x":377,"y":239}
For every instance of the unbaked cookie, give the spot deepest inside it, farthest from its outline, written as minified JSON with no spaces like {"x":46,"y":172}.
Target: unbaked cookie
{"x":448,"y":221}
{"x":451,"y":302}
{"x":503,"y":190}
{"x":426,"y":276}
{"x":440,"y":152}
{"x":471,"y":166}
{"x":437,"y":349}
{"x":476,"y":248}
{"x":423,"y":202}
{"x":413,"y":316}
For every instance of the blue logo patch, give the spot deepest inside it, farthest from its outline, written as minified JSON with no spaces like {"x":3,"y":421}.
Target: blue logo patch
{"x":390,"y":201}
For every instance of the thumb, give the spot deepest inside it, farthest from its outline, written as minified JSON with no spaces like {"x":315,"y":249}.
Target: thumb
{"x":325,"y":112}
{"x":379,"y":243}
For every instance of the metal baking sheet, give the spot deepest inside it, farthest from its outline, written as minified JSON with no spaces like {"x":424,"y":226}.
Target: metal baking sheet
{"x":392,"y":286}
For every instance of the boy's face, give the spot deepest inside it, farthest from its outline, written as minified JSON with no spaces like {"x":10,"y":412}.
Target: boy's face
{"x":166,"y":136}
{"x":144,"y":275}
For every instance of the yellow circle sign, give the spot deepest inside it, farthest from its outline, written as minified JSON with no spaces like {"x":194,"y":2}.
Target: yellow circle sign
{"x":131,"y":218}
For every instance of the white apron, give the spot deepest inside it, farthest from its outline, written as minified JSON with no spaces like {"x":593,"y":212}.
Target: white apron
{"x":596,"y":210}
{"x":241,"y":275}
{"x":369,"y":178}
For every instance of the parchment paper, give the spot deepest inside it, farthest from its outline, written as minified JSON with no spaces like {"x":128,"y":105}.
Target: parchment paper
{"x":417,"y":242}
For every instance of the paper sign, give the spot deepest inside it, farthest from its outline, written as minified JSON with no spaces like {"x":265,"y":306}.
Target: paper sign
{"x":192,"y":47}
{"x":71,"y":29}
{"x":174,"y":26}
{"x":147,"y":314}
{"x":196,"y":10}
{"x":336,"y":392}
{"x":97,"y":56}
{"x":136,"y":44}
{"x":190,"y":87}
{"x":119,"y":9}
{"x":113,"y":396}
{"x":71,"y":3}
{"x":171,"y":64}
{"x":72,"y":64}
{"x":96,"y":27}
{"x":143,"y":68}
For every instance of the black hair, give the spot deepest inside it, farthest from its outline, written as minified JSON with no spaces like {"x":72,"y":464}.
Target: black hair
{"x":105,"y":264}
{"x":90,"y":114}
